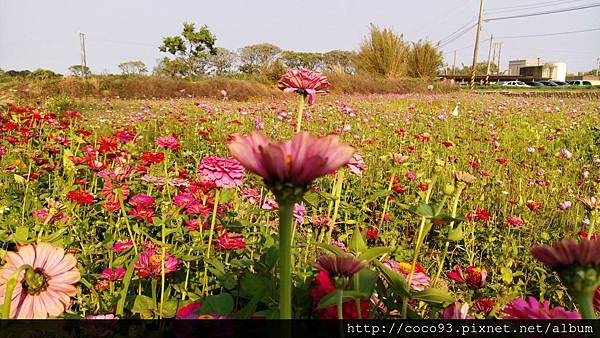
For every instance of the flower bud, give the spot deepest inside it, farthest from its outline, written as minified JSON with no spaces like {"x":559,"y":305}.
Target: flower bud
{"x":448,"y":189}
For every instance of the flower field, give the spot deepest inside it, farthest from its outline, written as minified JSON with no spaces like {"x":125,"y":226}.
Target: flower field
{"x":411,"y":206}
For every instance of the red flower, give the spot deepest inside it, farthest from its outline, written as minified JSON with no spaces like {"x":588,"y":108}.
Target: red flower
{"x":485,"y":305}
{"x":475,"y":277}
{"x":478,"y":214}
{"x":399,"y":188}
{"x":152,"y":158}
{"x":80,"y":197}
{"x":107,"y":144}
{"x":230,"y":241}
{"x":448,"y":144}
{"x":502,"y":160}
{"x":515,"y":221}
{"x":534,"y":206}
{"x":372,"y":233}
{"x":474,"y":164}
{"x":423,"y":186}
{"x":322,"y":286}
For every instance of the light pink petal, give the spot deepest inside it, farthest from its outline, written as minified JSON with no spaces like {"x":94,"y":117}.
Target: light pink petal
{"x":55,"y":256}
{"x":59,"y":297}
{"x":28,"y":254}
{"x":276,"y":162}
{"x":67,"y":289}
{"x":65,"y":264}
{"x":68,"y":277}
{"x":13,"y":259}
{"x":25,"y":308}
{"x":39,"y":310}
{"x":42,"y":251}
{"x":52,"y":304}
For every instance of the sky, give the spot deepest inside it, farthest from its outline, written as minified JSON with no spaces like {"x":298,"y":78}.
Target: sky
{"x":45,"y":34}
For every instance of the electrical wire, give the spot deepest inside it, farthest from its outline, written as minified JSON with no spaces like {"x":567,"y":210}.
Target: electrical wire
{"x":529,"y":6}
{"x":544,"y":12}
{"x":548,"y":34}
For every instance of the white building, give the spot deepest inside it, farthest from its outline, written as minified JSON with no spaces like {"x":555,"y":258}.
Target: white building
{"x":556,"y":71}
{"x":515,"y":66}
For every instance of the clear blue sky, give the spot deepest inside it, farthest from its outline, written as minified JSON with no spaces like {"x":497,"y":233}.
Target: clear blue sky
{"x":44,"y":34}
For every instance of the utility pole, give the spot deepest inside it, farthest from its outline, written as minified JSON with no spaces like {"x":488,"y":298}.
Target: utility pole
{"x":454,"y":64}
{"x":499,"y":60}
{"x":597,"y":67}
{"x":476,"y":49}
{"x":487,"y":72}
{"x":82,"y":50}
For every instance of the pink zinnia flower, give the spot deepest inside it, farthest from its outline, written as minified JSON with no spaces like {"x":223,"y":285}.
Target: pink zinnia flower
{"x":300,"y":161}
{"x":357,"y":164}
{"x":121,"y":246}
{"x":142,"y":201}
{"x":456,"y":311}
{"x":149,"y":264}
{"x":567,"y":252}
{"x":304,"y":82}
{"x":420,"y":280}
{"x":113,"y":275}
{"x":224,"y":172}
{"x":299,"y":213}
{"x":47,"y":291}
{"x":533,"y":309}
{"x":183,"y":200}
{"x":169,"y":142}
{"x":474,"y":278}
{"x":125,"y":136}
{"x":230,"y":241}
{"x":515,"y":221}
{"x":251,"y":194}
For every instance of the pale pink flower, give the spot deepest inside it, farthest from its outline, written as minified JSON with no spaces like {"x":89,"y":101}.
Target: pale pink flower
{"x":224,"y":172}
{"x":456,"y":311}
{"x":48,"y":291}
{"x":533,"y":309}
{"x":169,"y":142}
{"x":305,"y":82}
{"x":357,"y":164}
{"x":299,"y":161}
{"x":106,"y":316}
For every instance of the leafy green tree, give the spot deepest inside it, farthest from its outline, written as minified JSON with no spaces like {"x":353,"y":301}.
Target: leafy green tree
{"x":80,"y":70}
{"x":340,"y":61}
{"x":383,"y":53}
{"x":424,"y":60}
{"x":222,"y":62}
{"x":307,"y":60}
{"x":133,"y":67}
{"x":259,"y":58}
{"x":190,"y":50}
{"x":480,"y":69}
{"x":43,"y":74}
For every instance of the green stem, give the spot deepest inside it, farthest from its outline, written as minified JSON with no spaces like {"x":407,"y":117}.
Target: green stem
{"x":300,"y":112}
{"x":586,"y":306}
{"x":210,"y":236}
{"x":10,"y":287}
{"x":336,"y":207}
{"x":450,"y":228}
{"x":592,"y":225}
{"x":340,"y":309}
{"x":285,"y":259}
{"x":357,"y":301}
{"x":387,"y":201}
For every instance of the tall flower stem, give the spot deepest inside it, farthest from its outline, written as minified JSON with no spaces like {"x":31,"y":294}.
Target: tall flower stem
{"x":285,"y":259}
{"x":300,"y":112}
{"x":387,"y":200}
{"x":586,"y":306}
{"x":450,"y":228}
{"x":340,"y":308}
{"x":210,"y":236}
{"x":336,"y":207}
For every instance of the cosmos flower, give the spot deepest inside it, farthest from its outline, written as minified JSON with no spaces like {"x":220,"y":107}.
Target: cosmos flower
{"x":299,"y":161}
{"x":565,"y":205}
{"x":224,"y":172}
{"x":304,"y":82}
{"x":45,"y":290}
{"x":533,"y":309}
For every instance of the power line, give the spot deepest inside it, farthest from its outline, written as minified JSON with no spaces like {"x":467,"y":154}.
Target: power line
{"x":458,"y":35}
{"x":548,"y":34}
{"x":470,"y":22}
{"x":544,"y":13}
{"x":529,"y":6}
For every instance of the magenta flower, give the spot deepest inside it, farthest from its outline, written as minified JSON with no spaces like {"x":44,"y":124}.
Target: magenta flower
{"x":533,"y":309}
{"x":169,"y":142}
{"x":299,"y":213}
{"x":224,"y":172}
{"x":300,"y":161}
{"x":183,"y":200}
{"x":475,"y":277}
{"x":1,"y":150}
{"x":304,"y":82}
{"x":142,"y":201}
{"x":113,"y":275}
{"x":149,"y":263}
{"x":230,"y":241}
{"x":121,"y":246}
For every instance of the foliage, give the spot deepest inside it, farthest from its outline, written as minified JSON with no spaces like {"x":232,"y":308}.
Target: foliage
{"x":190,"y":49}
{"x":383,"y":53}
{"x":424,"y":60}
{"x":80,"y":70}
{"x":259,"y":58}
{"x":133,"y":68}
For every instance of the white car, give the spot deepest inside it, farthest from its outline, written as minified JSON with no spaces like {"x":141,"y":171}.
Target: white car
{"x":515,"y":84}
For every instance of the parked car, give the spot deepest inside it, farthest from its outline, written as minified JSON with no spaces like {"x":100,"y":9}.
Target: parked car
{"x":561,"y":83}
{"x":515,"y":84}
{"x":579,"y":83}
{"x":549,"y":83}
{"x":534,"y":84}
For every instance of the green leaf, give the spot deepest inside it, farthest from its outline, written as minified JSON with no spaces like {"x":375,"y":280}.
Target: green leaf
{"x":54,"y":236}
{"x":357,"y":242}
{"x":434,"y":295}
{"x":456,"y":234}
{"x":19,"y":179}
{"x":506,"y":275}
{"x":126,"y":282}
{"x":373,"y":253}
{"x":169,"y":309}
{"x":425,"y":210}
{"x":332,"y":248}
{"x":311,"y":198}
{"x":332,"y":298}
{"x":395,"y":279}
{"x":379,"y":194}
{"x":142,"y":304}
{"x":221,"y":304}
{"x":21,"y":235}
{"x":366,"y":281}
{"x":226,"y":195}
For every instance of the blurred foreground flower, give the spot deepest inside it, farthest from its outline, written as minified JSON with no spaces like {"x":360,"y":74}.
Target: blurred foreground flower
{"x":533,"y":309}
{"x":44,"y":277}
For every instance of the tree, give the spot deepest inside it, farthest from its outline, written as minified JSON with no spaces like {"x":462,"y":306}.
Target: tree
{"x":480,"y":69}
{"x":424,"y":60}
{"x":339,"y":61}
{"x":257,"y":59}
{"x":307,"y":60}
{"x":43,"y":74}
{"x":133,"y":67}
{"x":190,"y":49}
{"x":383,"y":53}
{"x":80,"y":70}
{"x":222,"y":62}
